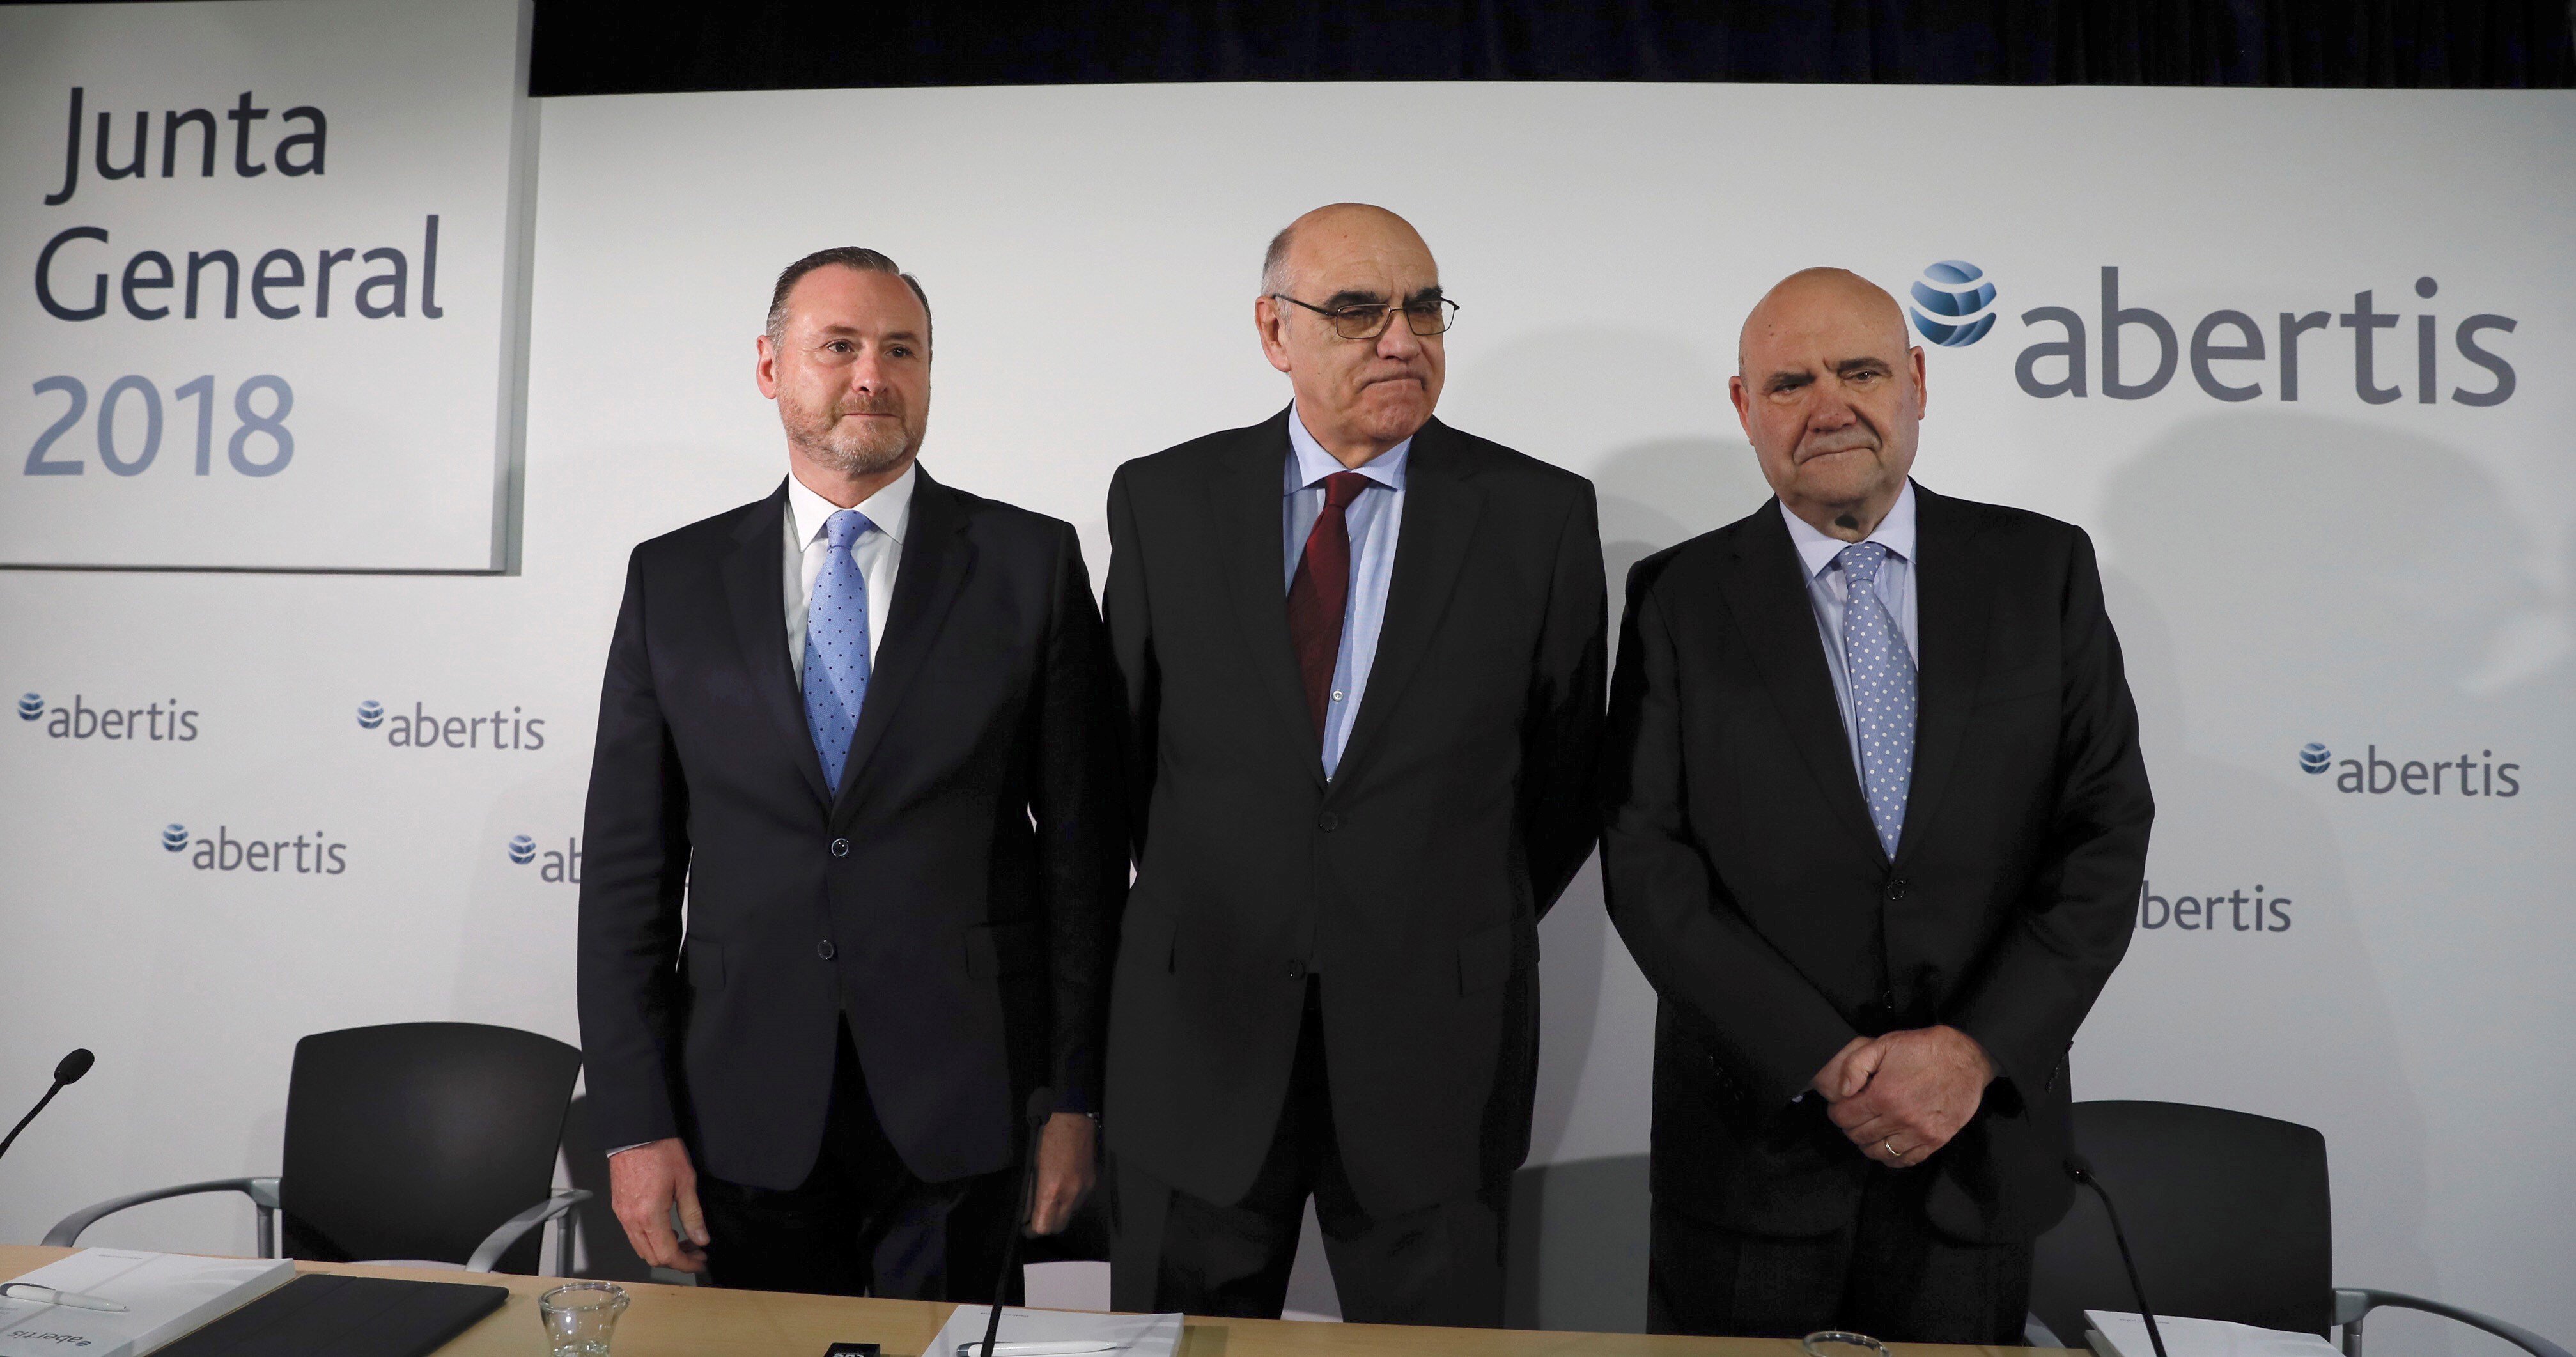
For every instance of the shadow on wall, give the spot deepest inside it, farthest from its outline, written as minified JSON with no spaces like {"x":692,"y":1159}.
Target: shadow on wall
{"x":2281,"y":578}
{"x":1577,"y":1256}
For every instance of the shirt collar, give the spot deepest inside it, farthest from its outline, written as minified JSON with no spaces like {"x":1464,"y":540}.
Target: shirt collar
{"x":1309,"y":464}
{"x":890,"y":508}
{"x":1895,"y":532}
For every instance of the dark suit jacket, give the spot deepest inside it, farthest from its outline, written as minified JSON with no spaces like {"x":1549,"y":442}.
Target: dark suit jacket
{"x":1745,"y":876}
{"x":1413,"y":882}
{"x":954,"y":902}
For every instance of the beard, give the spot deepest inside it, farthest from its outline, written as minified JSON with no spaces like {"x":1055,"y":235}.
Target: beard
{"x":861,"y":448}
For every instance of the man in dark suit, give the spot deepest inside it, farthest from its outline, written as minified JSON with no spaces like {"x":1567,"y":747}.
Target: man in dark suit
{"x":864,"y":728}
{"x":1876,"y":821}
{"x":1362,"y":655}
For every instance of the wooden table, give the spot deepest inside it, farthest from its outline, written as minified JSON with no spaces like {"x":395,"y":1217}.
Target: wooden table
{"x":689,"y":1321}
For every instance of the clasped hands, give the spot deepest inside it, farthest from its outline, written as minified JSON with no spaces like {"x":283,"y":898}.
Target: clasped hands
{"x":1900,"y":1097}
{"x":650,"y":1181}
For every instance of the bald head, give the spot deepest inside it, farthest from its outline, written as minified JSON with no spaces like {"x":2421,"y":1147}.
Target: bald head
{"x":1822,"y":295}
{"x":1330,"y":229}
{"x":1357,"y":268}
{"x":1830,"y":394}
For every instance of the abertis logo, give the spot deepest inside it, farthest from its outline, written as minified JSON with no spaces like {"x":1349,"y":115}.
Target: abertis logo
{"x":561,"y":867}
{"x":422,"y":728}
{"x":154,"y":721}
{"x":1953,"y":304}
{"x":314,"y":854}
{"x":2372,"y":775}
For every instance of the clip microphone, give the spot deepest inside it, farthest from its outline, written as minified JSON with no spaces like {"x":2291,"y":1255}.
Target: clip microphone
{"x":2081,"y":1170}
{"x":68,"y":1071}
{"x":1041,"y":1107}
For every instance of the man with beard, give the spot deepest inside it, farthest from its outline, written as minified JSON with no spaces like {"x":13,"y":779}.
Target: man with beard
{"x":861,"y":728}
{"x":1362,"y":654}
{"x":1876,"y":826}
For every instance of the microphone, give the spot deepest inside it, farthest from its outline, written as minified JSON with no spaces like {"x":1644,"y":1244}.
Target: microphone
{"x":2081,"y":1170}
{"x":68,"y":1071}
{"x":1041,"y":1107}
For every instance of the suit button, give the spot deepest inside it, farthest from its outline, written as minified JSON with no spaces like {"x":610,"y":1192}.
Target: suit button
{"x":1896,"y":889}
{"x":840,"y":848}
{"x":823,"y":949}
{"x":1328,"y":822}
{"x":1296,"y":968}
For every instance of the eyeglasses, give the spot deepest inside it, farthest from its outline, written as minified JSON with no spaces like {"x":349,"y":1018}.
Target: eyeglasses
{"x":1425,"y":317}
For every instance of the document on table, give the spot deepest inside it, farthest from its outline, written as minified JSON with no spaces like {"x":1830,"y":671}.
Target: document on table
{"x":2125,"y":1335}
{"x":1059,"y":1333}
{"x":165,"y":1295}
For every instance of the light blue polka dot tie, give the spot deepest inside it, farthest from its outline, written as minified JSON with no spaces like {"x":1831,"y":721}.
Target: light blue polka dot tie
{"x":836,"y":644}
{"x":1881,"y":670}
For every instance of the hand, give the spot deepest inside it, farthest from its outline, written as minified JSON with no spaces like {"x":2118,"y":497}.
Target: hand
{"x":1065,"y":1170}
{"x":1913,"y":1090}
{"x":643,"y":1185}
{"x":1838,"y":1080}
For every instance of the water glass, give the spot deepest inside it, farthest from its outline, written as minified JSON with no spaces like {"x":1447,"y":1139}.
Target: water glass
{"x":580,"y":1316}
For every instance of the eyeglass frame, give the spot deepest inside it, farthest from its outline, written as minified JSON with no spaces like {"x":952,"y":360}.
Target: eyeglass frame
{"x":1385,"y":316}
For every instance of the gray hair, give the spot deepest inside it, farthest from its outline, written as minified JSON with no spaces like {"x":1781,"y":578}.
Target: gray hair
{"x":1274,"y":261}
{"x":856,"y":257}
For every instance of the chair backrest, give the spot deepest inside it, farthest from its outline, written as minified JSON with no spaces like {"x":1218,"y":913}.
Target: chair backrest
{"x":416,"y":1140}
{"x":2227,"y":1212}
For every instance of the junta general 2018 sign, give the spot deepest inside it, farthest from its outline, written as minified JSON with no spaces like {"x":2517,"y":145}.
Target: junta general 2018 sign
{"x":263,"y":308}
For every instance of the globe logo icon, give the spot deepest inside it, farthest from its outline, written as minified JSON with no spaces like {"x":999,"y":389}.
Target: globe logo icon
{"x":2315,"y":758}
{"x":371,"y":714}
{"x":174,"y":837}
{"x":523,"y":850}
{"x":1953,"y":304}
{"x":30,"y":707}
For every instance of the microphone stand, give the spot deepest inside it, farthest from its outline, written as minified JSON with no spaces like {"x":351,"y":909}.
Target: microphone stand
{"x":69,"y":1071}
{"x":2082,"y":1171}
{"x":1041,"y":1107}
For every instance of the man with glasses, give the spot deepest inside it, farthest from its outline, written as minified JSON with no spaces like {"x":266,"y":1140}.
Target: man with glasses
{"x":1362,"y":655}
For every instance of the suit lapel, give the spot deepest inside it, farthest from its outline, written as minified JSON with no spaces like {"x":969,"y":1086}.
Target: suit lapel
{"x":754,"y":588}
{"x":1441,"y":507}
{"x":936,"y":559}
{"x":1779,"y":626}
{"x":1245,"y":518}
{"x":1954,"y":601}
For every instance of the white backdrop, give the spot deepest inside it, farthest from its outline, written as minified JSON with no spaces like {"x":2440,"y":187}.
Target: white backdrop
{"x":2385,"y":581}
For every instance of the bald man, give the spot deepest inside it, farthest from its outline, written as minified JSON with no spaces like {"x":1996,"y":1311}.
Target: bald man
{"x":1875,"y":823}
{"x":1362,"y":655}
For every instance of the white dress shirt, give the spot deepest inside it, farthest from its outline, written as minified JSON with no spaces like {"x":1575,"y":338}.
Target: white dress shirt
{"x":878,"y":551}
{"x":1828,"y":590}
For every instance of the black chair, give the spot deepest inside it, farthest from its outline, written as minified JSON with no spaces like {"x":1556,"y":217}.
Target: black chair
{"x":426,"y":1141}
{"x":2230,"y":1218}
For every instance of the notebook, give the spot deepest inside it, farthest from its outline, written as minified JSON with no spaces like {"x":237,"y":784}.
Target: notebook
{"x":2125,"y":1335}
{"x":326,"y":1314}
{"x":165,"y":1294}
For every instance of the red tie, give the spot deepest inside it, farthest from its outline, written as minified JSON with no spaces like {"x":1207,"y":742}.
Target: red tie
{"x":1316,"y":597}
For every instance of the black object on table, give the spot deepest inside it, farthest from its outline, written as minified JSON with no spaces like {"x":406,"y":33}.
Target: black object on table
{"x":330,"y":1315}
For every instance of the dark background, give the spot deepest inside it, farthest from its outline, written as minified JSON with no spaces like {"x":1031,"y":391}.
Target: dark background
{"x":598,"y":47}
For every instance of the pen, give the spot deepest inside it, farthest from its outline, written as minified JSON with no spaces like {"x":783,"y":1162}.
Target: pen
{"x":47,"y":1295}
{"x":1064,"y":1349}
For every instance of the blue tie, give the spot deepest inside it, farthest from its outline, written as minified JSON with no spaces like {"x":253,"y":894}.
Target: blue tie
{"x":1882,"y":689}
{"x":836,"y":644}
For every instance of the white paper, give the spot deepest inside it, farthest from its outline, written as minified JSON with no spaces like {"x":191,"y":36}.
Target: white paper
{"x":1135,"y":1335}
{"x":166,"y":1295}
{"x":2126,"y":1334}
